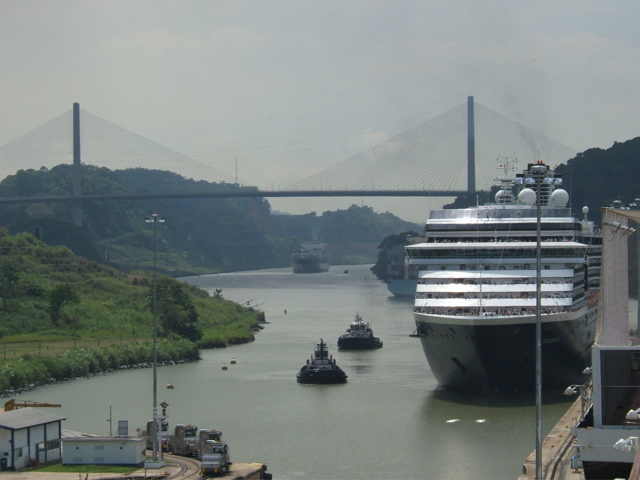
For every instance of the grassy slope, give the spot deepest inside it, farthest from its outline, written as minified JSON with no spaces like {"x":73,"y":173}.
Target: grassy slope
{"x":112,"y":313}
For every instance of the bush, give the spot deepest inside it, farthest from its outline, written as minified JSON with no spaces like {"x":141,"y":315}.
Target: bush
{"x":77,"y":363}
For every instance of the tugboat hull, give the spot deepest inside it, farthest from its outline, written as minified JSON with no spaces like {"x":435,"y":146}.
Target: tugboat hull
{"x":321,"y":368}
{"x":321,"y":376}
{"x":359,"y":336}
{"x":347,"y":342}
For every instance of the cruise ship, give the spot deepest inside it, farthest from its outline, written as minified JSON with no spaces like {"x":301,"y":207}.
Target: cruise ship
{"x":476,"y":298}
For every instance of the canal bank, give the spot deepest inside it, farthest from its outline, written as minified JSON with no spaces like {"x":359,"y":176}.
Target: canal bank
{"x":557,"y":450}
{"x":391,"y":398}
{"x":176,"y":468}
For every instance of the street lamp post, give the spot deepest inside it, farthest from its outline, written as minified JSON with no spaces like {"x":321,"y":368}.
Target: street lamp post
{"x":155,"y":219}
{"x":636,"y":202}
{"x":586,"y":394}
{"x":539,"y":172}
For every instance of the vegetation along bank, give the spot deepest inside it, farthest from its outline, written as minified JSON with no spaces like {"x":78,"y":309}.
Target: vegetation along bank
{"x":63,"y":317}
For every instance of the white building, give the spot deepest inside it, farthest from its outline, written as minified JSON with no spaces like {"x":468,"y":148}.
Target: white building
{"x":29,"y":437}
{"x":89,"y":450}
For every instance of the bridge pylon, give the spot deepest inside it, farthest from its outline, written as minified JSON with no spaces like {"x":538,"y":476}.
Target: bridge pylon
{"x":77,"y":162}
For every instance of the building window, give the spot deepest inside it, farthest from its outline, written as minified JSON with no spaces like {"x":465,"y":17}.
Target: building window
{"x":53,"y":444}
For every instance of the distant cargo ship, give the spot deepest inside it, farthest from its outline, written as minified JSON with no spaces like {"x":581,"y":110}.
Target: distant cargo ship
{"x":402,"y":277}
{"x":402,"y":287}
{"x":313,"y":257}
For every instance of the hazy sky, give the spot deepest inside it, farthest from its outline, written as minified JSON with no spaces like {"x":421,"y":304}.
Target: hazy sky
{"x":289,"y":88}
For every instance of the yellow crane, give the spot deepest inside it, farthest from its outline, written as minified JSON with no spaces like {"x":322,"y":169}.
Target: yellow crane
{"x":13,"y":404}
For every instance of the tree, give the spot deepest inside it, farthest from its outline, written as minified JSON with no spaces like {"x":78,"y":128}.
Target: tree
{"x":58,"y":297}
{"x":9,"y":281}
{"x":175,"y":309}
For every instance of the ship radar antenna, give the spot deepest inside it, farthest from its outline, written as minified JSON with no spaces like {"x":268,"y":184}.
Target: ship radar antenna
{"x":585,"y":212}
{"x":507,"y":166}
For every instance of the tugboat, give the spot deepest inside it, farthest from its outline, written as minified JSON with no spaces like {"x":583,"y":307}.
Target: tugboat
{"x":359,"y":336}
{"x":322,"y":368}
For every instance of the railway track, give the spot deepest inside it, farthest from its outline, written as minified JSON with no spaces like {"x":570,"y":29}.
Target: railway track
{"x":177,"y":467}
{"x":188,"y":468}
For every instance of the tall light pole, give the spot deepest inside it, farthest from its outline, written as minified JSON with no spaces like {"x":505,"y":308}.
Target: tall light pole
{"x":636,"y":203}
{"x":155,"y":219}
{"x":539,"y":172}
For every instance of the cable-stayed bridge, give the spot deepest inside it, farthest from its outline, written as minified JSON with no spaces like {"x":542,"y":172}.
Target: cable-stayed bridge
{"x":451,"y":154}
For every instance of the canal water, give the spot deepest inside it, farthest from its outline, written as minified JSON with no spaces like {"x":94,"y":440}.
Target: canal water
{"x":389,"y":421}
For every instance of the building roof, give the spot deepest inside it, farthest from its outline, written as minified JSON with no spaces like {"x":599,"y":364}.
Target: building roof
{"x":102,"y":439}
{"x":27,"y":417}
{"x":72,"y":433}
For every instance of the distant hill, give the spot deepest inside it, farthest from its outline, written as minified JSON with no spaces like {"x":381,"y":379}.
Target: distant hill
{"x":49,"y":289}
{"x":352,"y":234}
{"x":593,"y":178}
{"x":597,"y":177}
{"x":63,"y":316}
{"x":199,"y":235}
{"x":228,"y":234}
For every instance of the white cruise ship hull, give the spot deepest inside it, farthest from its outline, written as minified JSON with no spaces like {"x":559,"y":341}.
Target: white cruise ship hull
{"x":483,"y":273}
{"x":497,"y":355}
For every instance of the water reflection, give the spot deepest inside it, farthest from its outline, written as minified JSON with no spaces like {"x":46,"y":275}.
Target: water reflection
{"x":389,"y":421}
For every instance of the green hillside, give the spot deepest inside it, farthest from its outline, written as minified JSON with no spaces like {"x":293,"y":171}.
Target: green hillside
{"x":51,"y":291}
{"x":593,"y":178}
{"x":208,"y":235}
{"x":598,"y":177}
{"x":63,"y":315}
{"x":200,"y":235}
